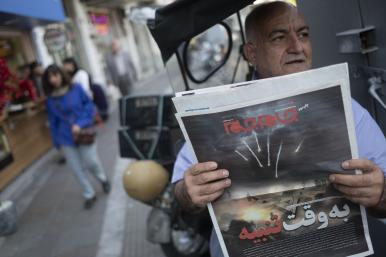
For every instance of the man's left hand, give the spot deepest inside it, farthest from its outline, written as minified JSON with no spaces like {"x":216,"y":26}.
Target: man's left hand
{"x":365,"y":189}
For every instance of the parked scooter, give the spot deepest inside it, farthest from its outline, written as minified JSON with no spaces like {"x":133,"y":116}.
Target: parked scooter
{"x":178,"y":233}
{"x":189,"y":18}
{"x":151,"y":134}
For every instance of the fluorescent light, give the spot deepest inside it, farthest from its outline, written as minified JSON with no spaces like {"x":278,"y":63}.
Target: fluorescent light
{"x":257,"y":2}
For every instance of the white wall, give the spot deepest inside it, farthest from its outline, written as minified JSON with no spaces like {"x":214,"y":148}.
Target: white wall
{"x":132,"y":47}
{"x":94,"y":59}
{"x":43,"y":55}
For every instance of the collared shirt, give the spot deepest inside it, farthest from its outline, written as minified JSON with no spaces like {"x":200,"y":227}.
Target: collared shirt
{"x":370,"y":140}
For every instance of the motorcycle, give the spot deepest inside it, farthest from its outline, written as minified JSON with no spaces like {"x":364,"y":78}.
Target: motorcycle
{"x":151,"y":134}
{"x":191,"y":52}
{"x":352,"y":35}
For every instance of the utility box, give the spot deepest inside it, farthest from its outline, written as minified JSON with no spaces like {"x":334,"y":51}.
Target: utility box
{"x":357,"y":41}
{"x":352,"y":31}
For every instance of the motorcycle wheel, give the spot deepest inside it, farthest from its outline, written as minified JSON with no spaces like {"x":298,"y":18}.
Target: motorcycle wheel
{"x":186,"y":244}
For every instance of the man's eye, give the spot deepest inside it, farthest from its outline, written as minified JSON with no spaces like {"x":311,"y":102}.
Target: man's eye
{"x":277,"y":38}
{"x":304,"y":35}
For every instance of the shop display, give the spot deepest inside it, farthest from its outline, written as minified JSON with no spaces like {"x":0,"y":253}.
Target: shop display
{"x":14,"y":90}
{"x":6,"y":156}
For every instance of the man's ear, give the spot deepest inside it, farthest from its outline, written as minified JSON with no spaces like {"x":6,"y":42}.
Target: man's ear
{"x":250,"y":53}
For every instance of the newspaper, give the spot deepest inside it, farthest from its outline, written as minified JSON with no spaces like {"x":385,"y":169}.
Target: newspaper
{"x":280,"y":138}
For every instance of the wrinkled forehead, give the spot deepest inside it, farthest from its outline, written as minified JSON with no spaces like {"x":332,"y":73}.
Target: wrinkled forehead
{"x":283,"y":18}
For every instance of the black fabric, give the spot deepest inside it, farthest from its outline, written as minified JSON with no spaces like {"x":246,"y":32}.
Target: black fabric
{"x":184,"y":19}
{"x":100,"y":99}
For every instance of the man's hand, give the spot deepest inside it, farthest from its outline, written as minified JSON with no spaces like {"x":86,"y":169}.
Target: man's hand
{"x":202,"y":184}
{"x":365,"y":189}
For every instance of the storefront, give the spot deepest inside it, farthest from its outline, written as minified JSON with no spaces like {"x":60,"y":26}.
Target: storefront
{"x":24,"y":133}
{"x":107,"y":20}
{"x":102,"y":28}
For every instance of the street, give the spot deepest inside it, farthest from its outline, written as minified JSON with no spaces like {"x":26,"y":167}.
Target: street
{"x":52,"y":221}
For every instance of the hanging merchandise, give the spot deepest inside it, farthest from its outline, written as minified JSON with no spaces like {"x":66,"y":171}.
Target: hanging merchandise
{"x":13,"y":90}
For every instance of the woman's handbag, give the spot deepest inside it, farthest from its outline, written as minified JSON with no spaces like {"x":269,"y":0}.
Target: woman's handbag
{"x":86,"y":136}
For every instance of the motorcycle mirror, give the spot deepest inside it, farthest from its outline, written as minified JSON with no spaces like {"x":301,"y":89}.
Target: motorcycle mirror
{"x":205,"y":54}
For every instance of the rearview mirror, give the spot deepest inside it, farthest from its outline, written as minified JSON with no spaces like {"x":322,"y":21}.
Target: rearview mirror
{"x":206,"y":53}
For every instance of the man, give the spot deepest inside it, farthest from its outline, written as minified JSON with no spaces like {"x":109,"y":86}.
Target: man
{"x":36,"y":74}
{"x":120,"y":68}
{"x":279,"y":44}
{"x":27,"y":91}
{"x":78,"y":75}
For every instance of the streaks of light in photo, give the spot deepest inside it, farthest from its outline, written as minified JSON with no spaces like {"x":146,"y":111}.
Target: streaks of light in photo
{"x":298,"y":147}
{"x":268,"y":154}
{"x":278,"y":157}
{"x":242,"y":156}
{"x":257,"y":142}
{"x":286,"y":108}
{"x":254,"y":155}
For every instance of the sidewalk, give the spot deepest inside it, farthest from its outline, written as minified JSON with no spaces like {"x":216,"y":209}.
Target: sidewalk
{"x":53,"y":222}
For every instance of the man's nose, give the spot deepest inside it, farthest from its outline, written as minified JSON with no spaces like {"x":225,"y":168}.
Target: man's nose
{"x":295,"y":45}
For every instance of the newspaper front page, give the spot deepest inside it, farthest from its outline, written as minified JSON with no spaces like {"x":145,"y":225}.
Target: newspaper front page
{"x":280,"y":139}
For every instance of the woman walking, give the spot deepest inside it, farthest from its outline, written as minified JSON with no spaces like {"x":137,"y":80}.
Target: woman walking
{"x":70,"y":112}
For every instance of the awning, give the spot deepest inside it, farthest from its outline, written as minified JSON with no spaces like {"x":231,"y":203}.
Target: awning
{"x":107,"y":3}
{"x":184,"y":19}
{"x":29,"y":13}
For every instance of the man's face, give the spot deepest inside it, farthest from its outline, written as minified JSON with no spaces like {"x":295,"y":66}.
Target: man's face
{"x":114,"y":47}
{"x":68,"y":67}
{"x":38,"y":70}
{"x":281,"y":46}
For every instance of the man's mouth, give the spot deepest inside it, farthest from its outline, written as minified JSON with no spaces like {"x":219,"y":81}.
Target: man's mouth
{"x":295,"y":61}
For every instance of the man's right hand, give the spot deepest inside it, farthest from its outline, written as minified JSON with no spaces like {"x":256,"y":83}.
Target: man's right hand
{"x":204,"y":183}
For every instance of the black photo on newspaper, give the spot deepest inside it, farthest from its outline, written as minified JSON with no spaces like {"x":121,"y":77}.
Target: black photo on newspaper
{"x":279,"y":154}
